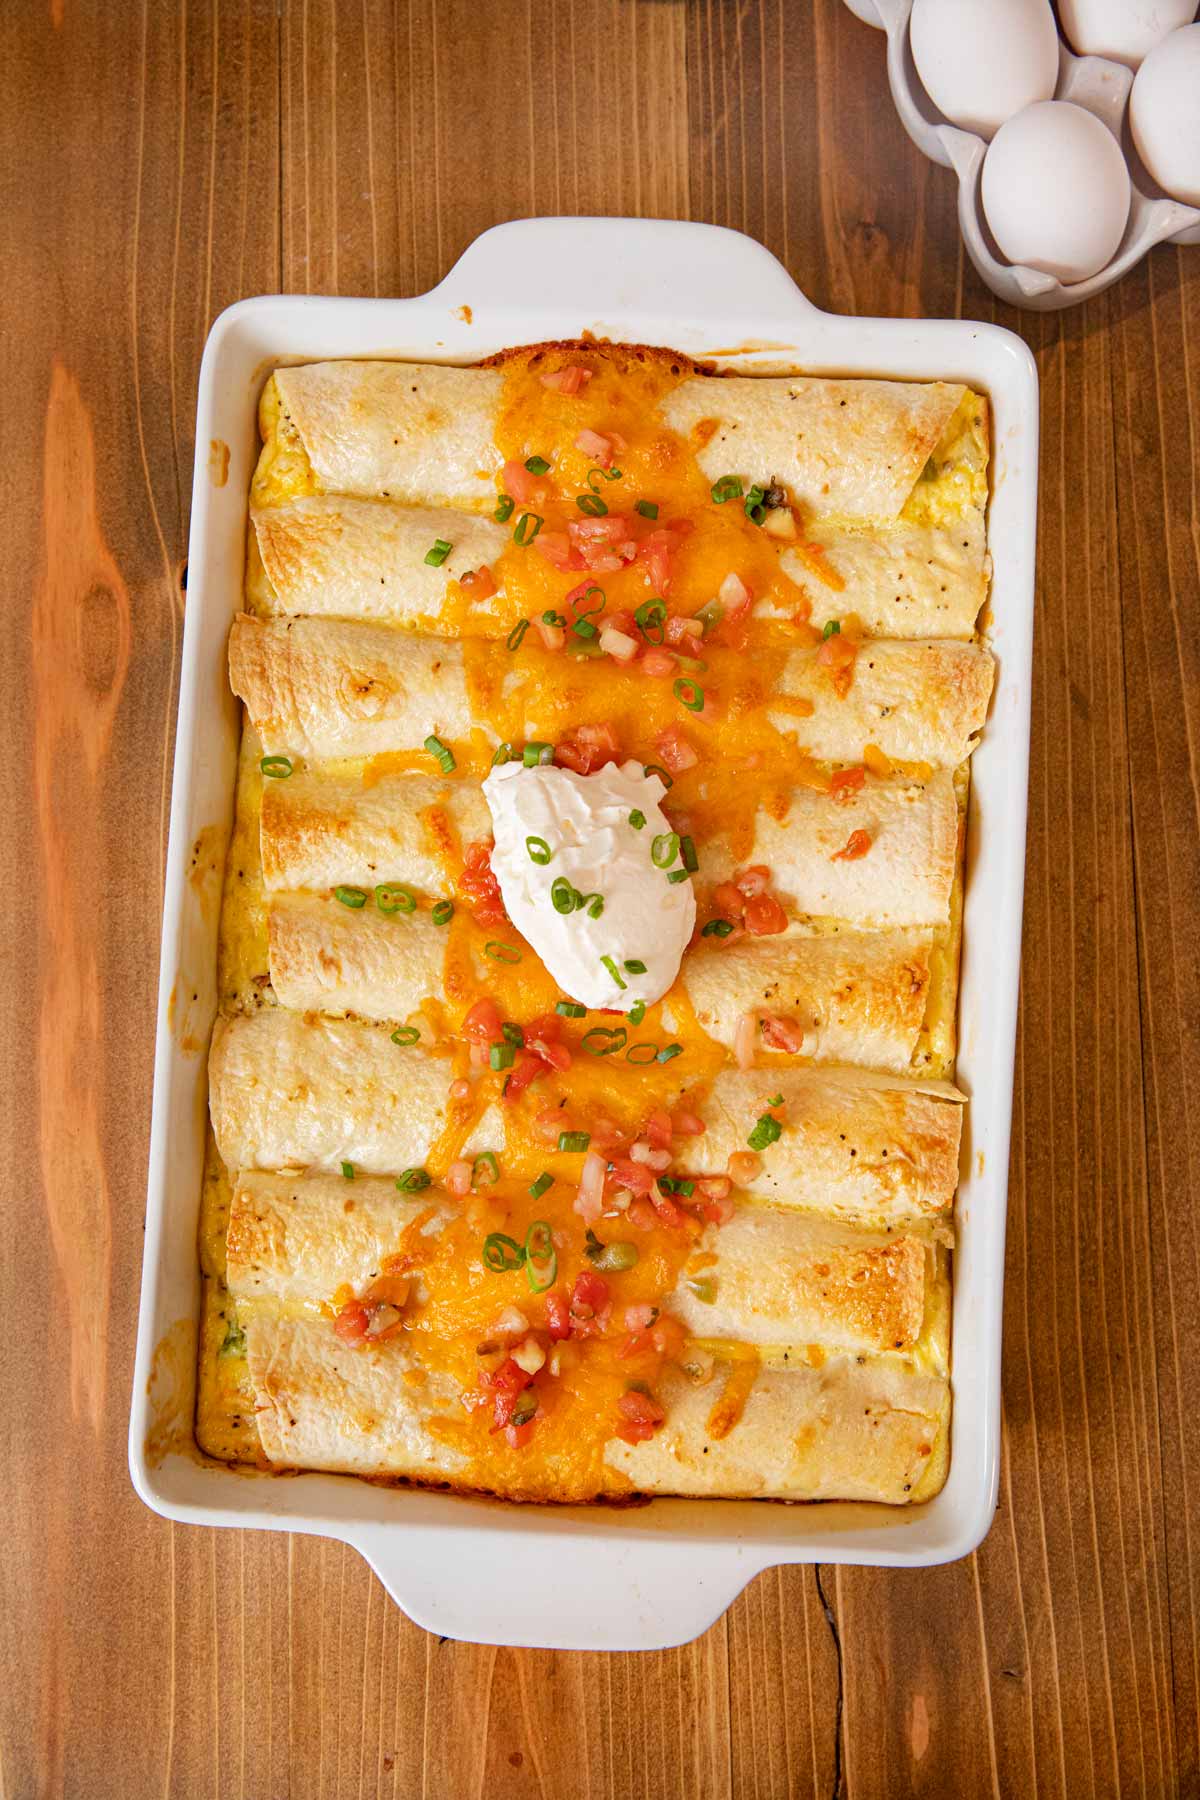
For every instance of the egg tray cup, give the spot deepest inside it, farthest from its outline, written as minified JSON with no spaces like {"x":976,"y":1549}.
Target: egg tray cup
{"x":1097,"y":85}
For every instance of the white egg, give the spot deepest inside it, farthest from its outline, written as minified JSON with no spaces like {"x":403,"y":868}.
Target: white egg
{"x":1056,"y":190}
{"x":1164,"y":114}
{"x":980,"y":61}
{"x":1123,"y":30}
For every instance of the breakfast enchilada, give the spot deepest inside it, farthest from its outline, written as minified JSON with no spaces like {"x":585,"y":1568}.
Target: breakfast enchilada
{"x":582,"y":1103}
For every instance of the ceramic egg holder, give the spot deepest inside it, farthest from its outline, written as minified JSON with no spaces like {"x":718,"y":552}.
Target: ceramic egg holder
{"x":1099,"y":86}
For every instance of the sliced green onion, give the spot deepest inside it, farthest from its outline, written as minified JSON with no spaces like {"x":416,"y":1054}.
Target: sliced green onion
{"x":404,"y":1035}
{"x":668,"y":1051}
{"x":501,"y":1254}
{"x":443,"y":912}
{"x":676,"y":876}
{"x":571,"y":1009}
{"x":594,"y":903}
{"x":775,"y":1100}
{"x":657,"y":769}
{"x":613,"y":970}
{"x":647,"y":508}
{"x":505,"y":953}
{"x":436,"y":556}
{"x":694,"y":665}
{"x":504,"y":507}
{"x":501,"y":1056}
{"x":602,"y":1041}
{"x":277,"y":767}
{"x":584,"y":628}
{"x":441,"y":753}
{"x":595,"y":475}
{"x":767,"y":1131}
{"x":348,"y":1171}
{"x":755,"y":507}
{"x":611,"y":1258}
{"x":516,"y":636}
{"x":541,"y":1259}
{"x":642,"y":1054}
{"x":563,"y":896}
{"x":687,"y":851}
{"x":710,"y":615}
{"x":634,"y":967}
{"x":528,"y":526}
{"x":664,"y":849}
{"x":833,"y":628}
{"x":728,"y":488}
{"x":486,"y":1160}
{"x":413,"y":1181}
{"x":234,"y":1341}
{"x":512,"y":1034}
{"x":542,"y":1185}
{"x":637,"y":819}
{"x":351,"y":896}
{"x":717,"y":928}
{"x":651,"y":618}
{"x":592,"y":505}
{"x":672,"y":1184}
{"x":704,"y":1290}
{"x":504,"y":754}
{"x":536,"y":753}
{"x":688,"y":693}
{"x":581,"y":608}
{"x":539,"y":851}
{"x":392,"y":897}
{"x":573,"y":1140}
{"x":552,"y":618}
{"x":637,"y":1012}
{"x":537,"y":465}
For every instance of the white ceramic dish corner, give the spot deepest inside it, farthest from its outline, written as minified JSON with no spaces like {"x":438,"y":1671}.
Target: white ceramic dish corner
{"x":645,"y":1577}
{"x":1093,"y":82}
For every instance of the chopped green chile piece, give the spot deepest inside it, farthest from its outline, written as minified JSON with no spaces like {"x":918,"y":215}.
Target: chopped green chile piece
{"x":392,"y":897}
{"x":612,"y":1258}
{"x":406,"y":1036}
{"x":571,"y":1009}
{"x":573,"y":1141}
{"x":718,"y":928}
{"x":766,"y":1131}
{"x":501,"y":1254}
{"x":353,"y":897}
{"x":443,"y":912}
{"x":485,"y":1161}
{"x":413,"y":1181}
{"x":436,"y":556}
{"x":277,"y":767}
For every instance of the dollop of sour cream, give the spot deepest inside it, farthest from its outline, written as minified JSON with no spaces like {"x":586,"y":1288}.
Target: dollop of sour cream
{"x":589,"y":825}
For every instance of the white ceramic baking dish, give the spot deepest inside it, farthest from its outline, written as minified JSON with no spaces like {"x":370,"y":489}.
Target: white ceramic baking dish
{"x":598,"y":1577}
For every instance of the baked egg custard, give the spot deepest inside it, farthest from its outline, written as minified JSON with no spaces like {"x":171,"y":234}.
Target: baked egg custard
{"x":582,"y":1104}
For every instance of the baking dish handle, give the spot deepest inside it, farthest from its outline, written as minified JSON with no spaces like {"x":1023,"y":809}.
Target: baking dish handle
{"x":525,"y":1586}
{"x":610,"y":266}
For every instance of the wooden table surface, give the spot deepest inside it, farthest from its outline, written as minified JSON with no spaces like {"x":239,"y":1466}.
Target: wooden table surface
{"x":160,"y":160}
